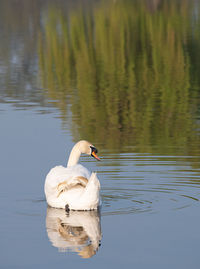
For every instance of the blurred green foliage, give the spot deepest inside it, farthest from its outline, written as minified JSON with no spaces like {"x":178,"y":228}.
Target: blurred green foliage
{"x":127,"y":70}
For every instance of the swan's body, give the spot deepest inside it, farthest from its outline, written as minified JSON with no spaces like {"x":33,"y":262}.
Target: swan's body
{"x":73,"y":186}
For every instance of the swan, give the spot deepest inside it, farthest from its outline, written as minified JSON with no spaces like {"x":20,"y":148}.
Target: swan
{"x":73,"y":187}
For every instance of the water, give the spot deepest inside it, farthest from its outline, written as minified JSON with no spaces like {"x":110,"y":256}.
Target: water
{"x":125,"y":76}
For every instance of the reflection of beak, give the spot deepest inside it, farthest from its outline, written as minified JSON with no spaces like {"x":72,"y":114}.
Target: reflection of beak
{"x":95,"y":156}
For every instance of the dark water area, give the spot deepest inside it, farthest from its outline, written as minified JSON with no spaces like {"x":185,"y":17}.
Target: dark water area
{"x":125,"y":76}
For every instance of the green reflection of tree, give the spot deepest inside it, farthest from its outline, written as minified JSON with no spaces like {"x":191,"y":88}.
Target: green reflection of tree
{"x":125,"y":69}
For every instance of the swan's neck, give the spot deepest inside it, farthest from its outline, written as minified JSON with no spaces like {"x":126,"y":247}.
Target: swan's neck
{"x":74,"y":156}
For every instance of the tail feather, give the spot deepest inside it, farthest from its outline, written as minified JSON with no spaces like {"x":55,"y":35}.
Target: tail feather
{"x":93,"y":180}
{"x":90,"y":197}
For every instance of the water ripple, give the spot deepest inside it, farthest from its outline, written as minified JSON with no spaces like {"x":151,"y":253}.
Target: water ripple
{"x":136,"y":184}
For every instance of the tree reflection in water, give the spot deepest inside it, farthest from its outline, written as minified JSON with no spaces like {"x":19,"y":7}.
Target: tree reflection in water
{"x":125,"y":68}
{"x":124,"y":72}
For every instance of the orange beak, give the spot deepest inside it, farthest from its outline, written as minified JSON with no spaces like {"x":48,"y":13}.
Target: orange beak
{"x":95,"y":156}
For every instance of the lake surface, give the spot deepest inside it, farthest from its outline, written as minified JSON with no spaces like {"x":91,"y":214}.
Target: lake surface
{"x":125,"y":76}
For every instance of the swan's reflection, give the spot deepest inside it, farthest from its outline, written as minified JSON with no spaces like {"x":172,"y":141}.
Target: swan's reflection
{"x":74,"y":231}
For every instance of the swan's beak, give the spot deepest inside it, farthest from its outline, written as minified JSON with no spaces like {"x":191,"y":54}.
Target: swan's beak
{"x":94,"y":153}
{"x":95,"y":156}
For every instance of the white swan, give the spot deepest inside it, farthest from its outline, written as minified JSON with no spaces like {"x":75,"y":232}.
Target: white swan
{"x":73,"y":187}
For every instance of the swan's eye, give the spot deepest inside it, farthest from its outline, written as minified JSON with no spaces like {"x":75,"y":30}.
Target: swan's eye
{"x":93,"y":149}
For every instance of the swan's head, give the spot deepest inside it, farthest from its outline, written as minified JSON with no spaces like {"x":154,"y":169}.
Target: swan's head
{"x":87,"y":148}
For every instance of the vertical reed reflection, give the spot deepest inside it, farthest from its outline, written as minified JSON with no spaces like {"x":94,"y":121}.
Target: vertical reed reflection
{"x":127,"y":70}
{"x":125,"y":67}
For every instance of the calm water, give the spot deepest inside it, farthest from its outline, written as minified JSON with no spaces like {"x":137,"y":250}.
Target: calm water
{"x":125,"y":76}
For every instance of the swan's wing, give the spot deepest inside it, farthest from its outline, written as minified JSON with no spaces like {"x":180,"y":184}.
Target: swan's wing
{"x":72,"y":183}
{"x":59,"y":174}
{"x":64,"y":178}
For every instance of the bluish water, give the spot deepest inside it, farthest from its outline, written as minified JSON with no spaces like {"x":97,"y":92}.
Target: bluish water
{"x":147,"y":133}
